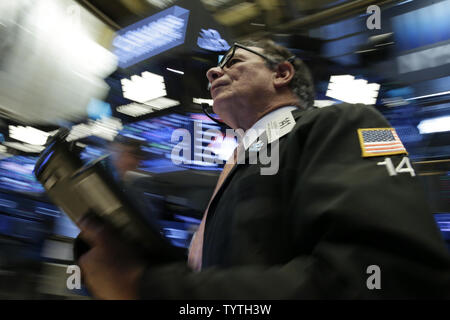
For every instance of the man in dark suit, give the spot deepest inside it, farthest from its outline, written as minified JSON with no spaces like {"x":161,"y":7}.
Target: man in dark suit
{"x":340,"y":214}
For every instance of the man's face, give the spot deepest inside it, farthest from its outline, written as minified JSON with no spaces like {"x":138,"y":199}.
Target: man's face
{"x":240,"y":86}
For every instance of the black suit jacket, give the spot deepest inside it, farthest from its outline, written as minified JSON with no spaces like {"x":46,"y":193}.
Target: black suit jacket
{"x":313,"y":230}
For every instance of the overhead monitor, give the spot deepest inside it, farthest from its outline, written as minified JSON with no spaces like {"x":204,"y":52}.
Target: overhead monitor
{"x":151,"y":36}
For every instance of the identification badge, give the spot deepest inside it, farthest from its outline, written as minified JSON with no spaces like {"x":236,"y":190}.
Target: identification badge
{"x":279,"y":127}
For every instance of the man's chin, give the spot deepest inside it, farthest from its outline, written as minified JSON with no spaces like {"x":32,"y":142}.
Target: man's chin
{"x":221,"y":109}
{"x":218,"y":107}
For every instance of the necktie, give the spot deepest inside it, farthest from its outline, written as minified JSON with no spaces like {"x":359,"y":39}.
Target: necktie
{"x":196,"y":248}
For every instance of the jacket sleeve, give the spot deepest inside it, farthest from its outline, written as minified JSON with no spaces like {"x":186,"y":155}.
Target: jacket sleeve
{"x":352,"y":212}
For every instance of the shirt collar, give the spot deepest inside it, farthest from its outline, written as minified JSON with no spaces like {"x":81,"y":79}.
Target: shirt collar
{"x":260,"y":126}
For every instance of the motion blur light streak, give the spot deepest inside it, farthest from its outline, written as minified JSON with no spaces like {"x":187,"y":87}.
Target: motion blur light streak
{"x":424,"y":59}
{"x":47,"y":211}
{"x":403,"y":2}
{"x":8,"y":204}
{"x":66,"y":64}
{"x":176,"y":71}
{"x":439,"y":124}
{"x":52,"y":65}
{"x":430,"y":95}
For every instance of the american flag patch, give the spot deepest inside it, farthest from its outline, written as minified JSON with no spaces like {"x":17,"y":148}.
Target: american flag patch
{"x":380,"y":142}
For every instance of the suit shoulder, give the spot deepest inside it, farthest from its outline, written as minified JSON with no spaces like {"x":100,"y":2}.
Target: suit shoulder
{"x":343,"y":109}
{"x":346,"y":114}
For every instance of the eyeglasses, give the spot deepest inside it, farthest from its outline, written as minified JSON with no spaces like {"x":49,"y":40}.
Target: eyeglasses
{"x":225,"y":61}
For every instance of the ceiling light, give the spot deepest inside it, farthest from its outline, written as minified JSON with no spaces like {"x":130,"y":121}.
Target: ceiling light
{"x":439,"y":124}
{"x":24,"y":147}
{"x":28,"y":135}
{"x":176,"y":71}
{"x":348,"y":89}
{"x":200,"y":101}
{"x":323,"y":103}
{"x":162,"y":103}
{"x":106,"y":128}
{"x":141,"y":89}
{"x":134,"y":109}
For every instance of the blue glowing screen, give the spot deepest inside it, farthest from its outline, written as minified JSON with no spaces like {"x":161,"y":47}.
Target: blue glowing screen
{"x":98,"y":109}
{"x":422,"y":27}
{"x":210,"y":39}
{"x":16,"y":174}
{"x":158,"y":145}
{"x":151,"y":36}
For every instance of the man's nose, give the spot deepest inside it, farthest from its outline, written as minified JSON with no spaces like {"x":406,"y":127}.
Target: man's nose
{"x":214,"y":73}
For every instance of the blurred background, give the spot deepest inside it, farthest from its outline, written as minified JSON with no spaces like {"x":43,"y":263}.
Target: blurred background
{"x":135,"y":69}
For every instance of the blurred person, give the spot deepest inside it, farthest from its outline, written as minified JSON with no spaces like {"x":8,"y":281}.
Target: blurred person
{"x":316,"y":229}
{"x":126,"y":156}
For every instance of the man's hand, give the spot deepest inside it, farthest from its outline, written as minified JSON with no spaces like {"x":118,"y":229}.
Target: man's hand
{"x":110,"y":269}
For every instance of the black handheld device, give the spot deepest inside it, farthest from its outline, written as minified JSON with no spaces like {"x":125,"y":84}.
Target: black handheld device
{"x":81,"y":190}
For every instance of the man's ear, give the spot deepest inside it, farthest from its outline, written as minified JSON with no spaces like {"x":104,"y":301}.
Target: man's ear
{"x":284,"y":74}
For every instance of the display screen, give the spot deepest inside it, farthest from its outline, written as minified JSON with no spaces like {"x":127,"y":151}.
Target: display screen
{"x":151,"y":36}
{"x":177,"y":142}
{"x":422,"y":27}
{"x":16,"y":174}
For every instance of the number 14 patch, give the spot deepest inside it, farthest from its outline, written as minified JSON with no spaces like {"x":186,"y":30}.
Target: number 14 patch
{"x":403,"y":167}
